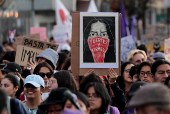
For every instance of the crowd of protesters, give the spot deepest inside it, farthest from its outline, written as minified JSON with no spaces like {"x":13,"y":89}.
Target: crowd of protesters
{"x":48,"y":86}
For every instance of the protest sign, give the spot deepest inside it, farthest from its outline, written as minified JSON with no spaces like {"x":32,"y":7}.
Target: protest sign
{"x":20,"y":38}
{"x":60,"y":39}
{"x":99,"y":49}
{"x":37,"y":44}
{"x":25,"y":54}
{"x":75,"y":55}
{"x":155,"y":36}
{"x":41,"y":30}
{"x":127,"y":44}
{"x":167,"y":49}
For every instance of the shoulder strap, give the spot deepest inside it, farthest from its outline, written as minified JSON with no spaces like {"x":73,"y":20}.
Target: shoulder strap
{"x":111,"y":110}
{"x":8,"y":104}
{"x":12,"y":103}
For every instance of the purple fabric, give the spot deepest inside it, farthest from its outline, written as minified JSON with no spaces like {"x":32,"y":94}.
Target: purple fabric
{"x":114,"y":110}
{"x":68,"y":111}
{"x":124,"y":21}
{"x":74,"y":97}
{"x":130,"y":111}
{"x":132,"y":30}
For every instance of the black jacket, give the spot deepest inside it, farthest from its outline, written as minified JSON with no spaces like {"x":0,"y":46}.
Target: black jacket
{"x":118,"y":100}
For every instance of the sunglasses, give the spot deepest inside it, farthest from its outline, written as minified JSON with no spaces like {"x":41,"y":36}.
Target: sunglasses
{"x":48,"y":74}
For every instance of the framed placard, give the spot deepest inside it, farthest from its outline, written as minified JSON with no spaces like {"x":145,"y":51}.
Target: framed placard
{"x":78,"y":44}
{"x":99,"y":40}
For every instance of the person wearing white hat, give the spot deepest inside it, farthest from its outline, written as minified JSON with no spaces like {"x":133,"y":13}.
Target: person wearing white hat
{"x":33,"y":88}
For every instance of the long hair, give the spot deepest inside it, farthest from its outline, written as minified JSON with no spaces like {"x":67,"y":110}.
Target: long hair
{"x":65,"y":79}
{"x":120,"y":79}
{"x":90,"y":78}
{"x":16,"y":82}
{"x":102,"y":92}
{"x":40,"y":65}
{"x":110,"y":54}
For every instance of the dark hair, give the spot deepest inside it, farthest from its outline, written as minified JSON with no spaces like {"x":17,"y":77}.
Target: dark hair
{"x":9,"y":55}
{"x":4,"y":42}
{"x":142,"y":65}
{"x":108,"y":85}
{"x":83,"y":98}
{"x":66,"y":64}
{"x":102,"y":92}
{"x":40,"y":65}
{"x":120,"y":79}
{"x":61,"y":60}
{"x":16,"y":82}
{"x":65,"y":79}
{"x":158,"y":63}
{"x":167,"y":81}
{"x":110,"y":54}
{"x":133,"y":70}
{"x":3,"y":100}
{"x":143,"y":47}
{"x":51,"y":39}
{"x":90,"y":78}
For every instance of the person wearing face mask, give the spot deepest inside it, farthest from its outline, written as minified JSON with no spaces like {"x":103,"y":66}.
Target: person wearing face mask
{"x":136,"y":56}
{"x":45,"y":71}
{"x":160,"y":70}
{"x":99,"y":42}
{"x":33,"y":88}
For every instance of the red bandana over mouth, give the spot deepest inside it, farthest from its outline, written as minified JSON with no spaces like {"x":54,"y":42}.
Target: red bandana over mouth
{"x":98,"y":47}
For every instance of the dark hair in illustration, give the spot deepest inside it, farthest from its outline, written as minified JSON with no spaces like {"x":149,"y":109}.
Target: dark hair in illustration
{"x":110,"y":27}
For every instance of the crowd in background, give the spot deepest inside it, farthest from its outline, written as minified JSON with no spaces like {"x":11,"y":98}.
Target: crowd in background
{"x":47,"y":85}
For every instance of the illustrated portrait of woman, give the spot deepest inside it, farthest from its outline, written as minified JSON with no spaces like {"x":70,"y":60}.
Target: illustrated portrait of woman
{"x":99,"y":44}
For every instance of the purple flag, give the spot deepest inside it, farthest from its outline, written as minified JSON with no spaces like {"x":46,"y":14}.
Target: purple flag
{"x":124,"y":21}
{"x":132,"y":32}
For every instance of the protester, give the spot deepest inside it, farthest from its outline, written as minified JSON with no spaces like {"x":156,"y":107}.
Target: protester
{"x":12,"y":68}
{"x":135,"y":86}
{"x":143,"y":47}
{"x":160,"y":70}
{"x":67,"y":65}
{"x":133,"y":73}
{"x":83,"y":102}
{"x":158,"y":55}
{"x":49,"y":56}
{"x":55,"y":102}
{"x":151,"y":98}
{"x":118,"y":100}
{"x":12,"y":86}
{"x":137,"y":56}
{"x":125,"y":80}
{"x":8,"y":57}
{"x":33,"y":88}
{"x":1,"y":51}
{"x":99,"y":99}
{"x":3,"y":99}
{"x":61,"y":60}
{"x":107,"y":85}
{"x":167,"y":82}
{"x":65,"y":49}
{"x":65,"y":79}
{"x":45,"y":71}
{"x":144,"y":72}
